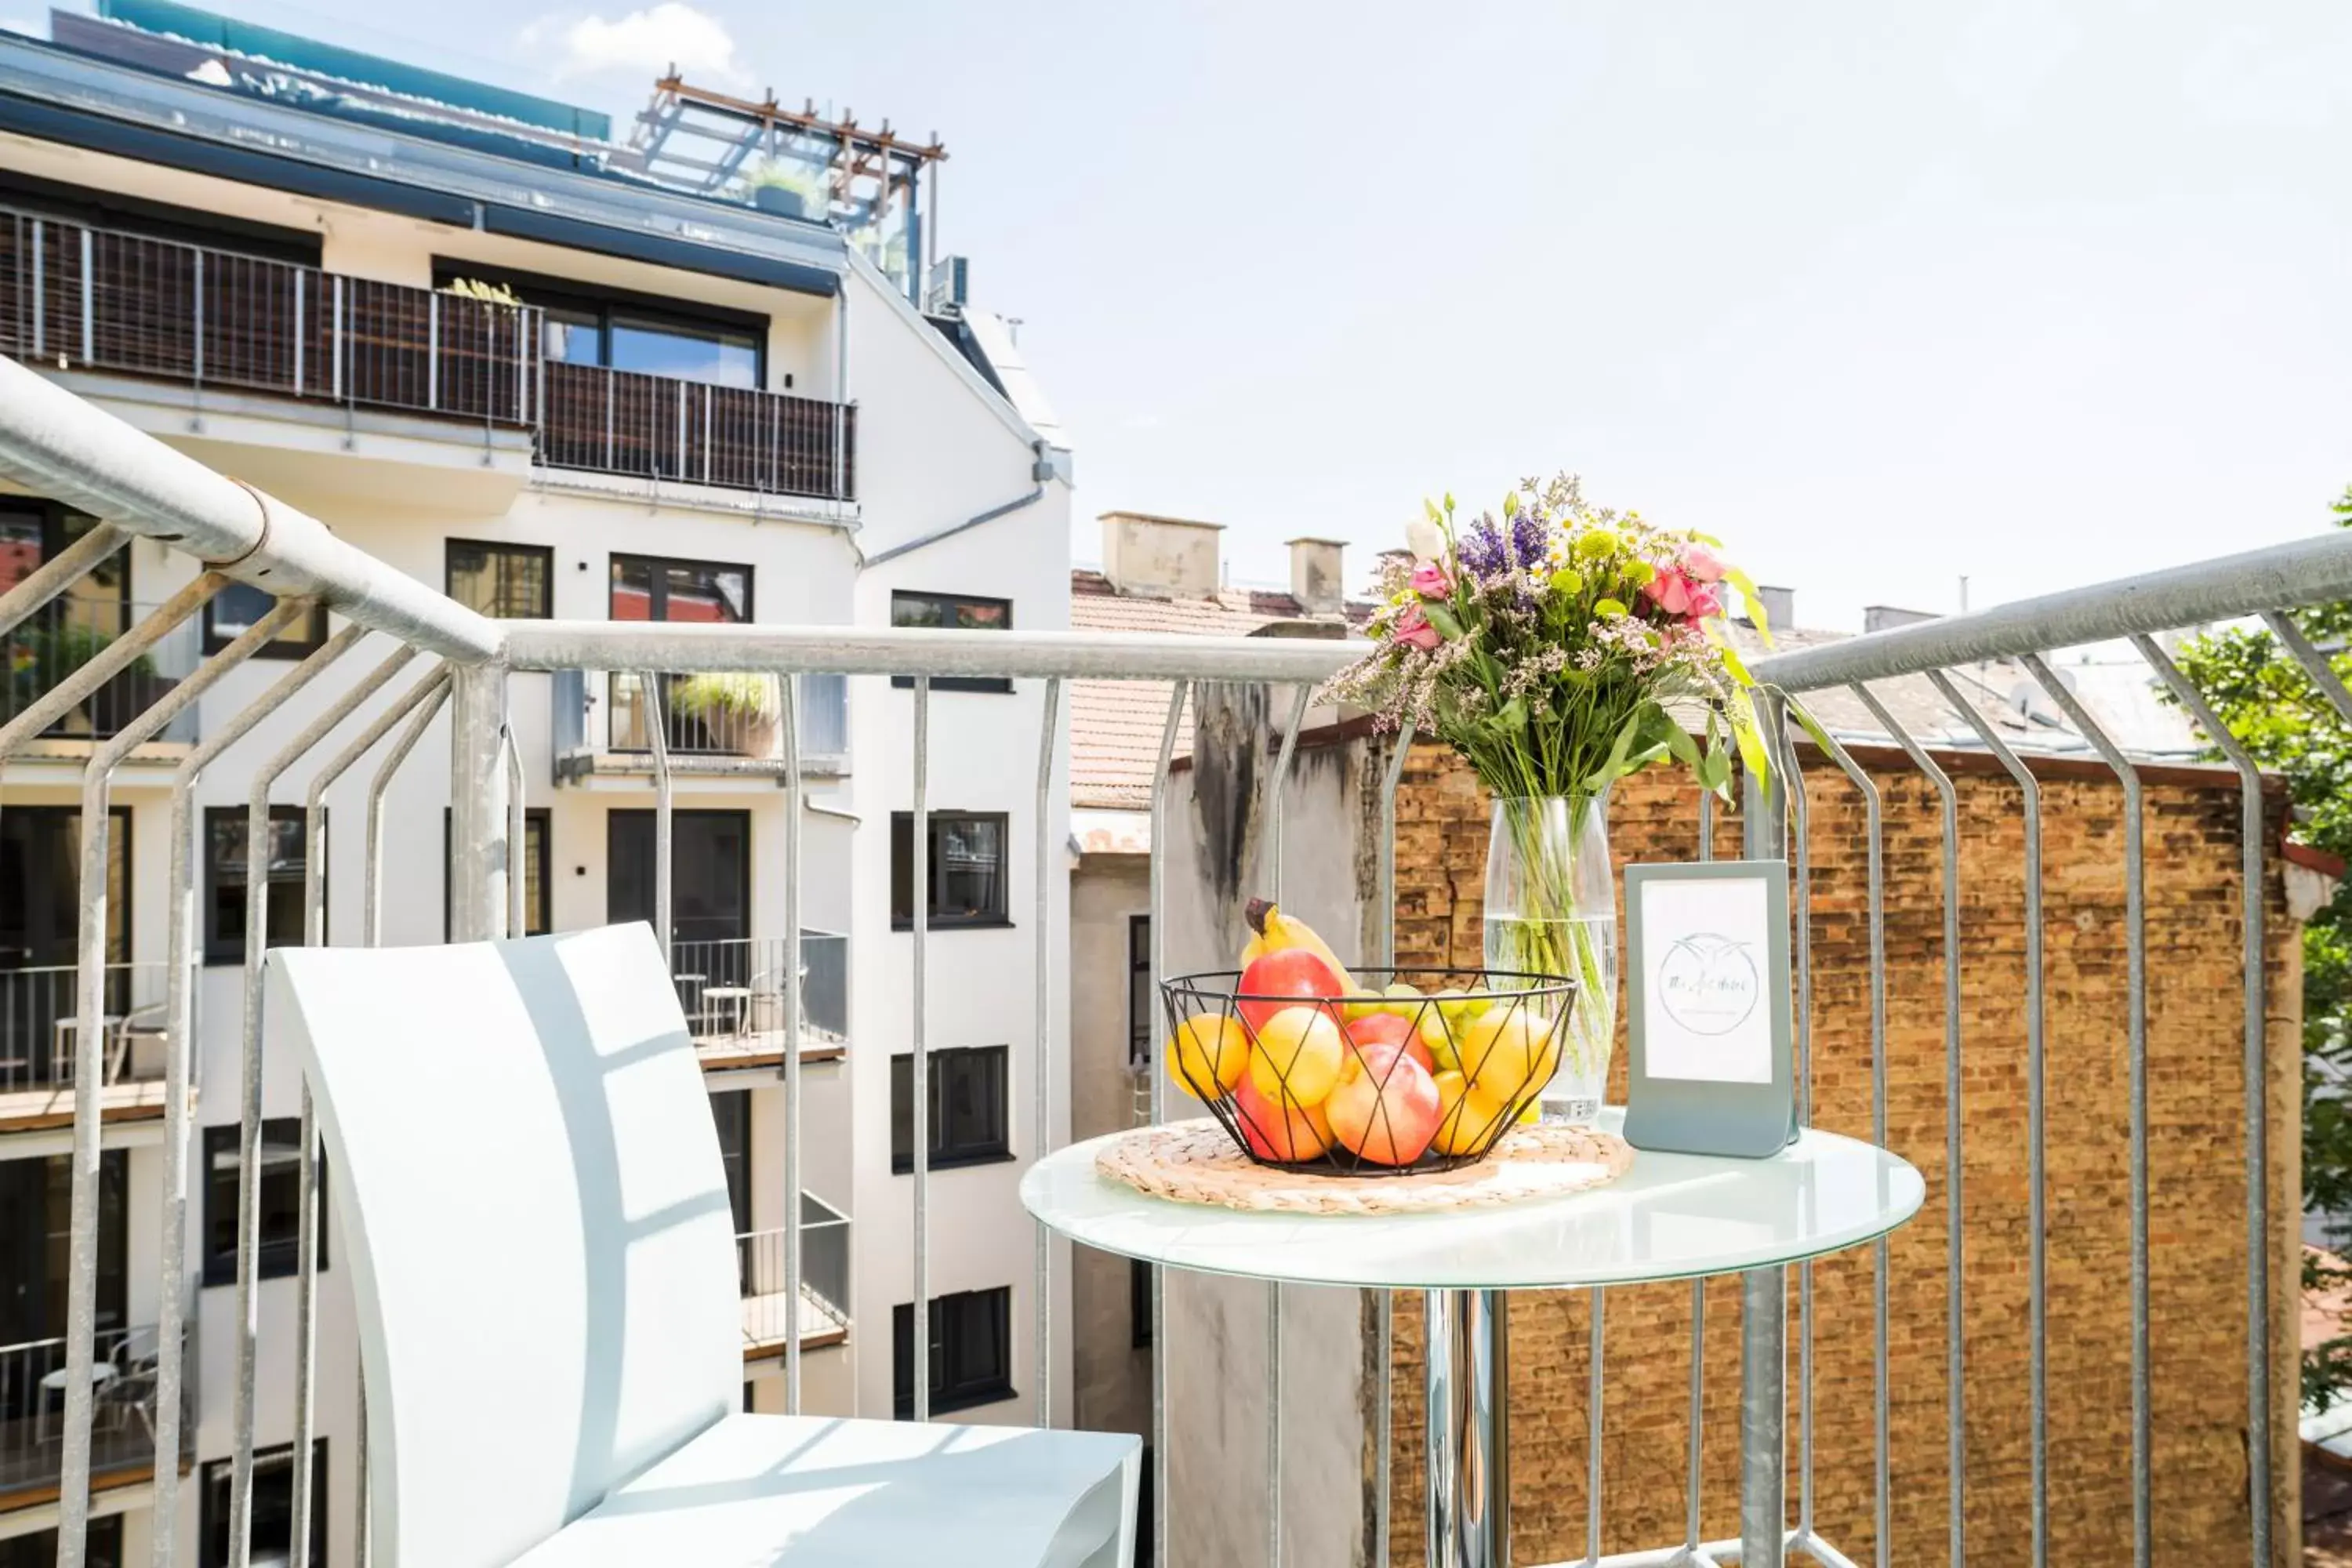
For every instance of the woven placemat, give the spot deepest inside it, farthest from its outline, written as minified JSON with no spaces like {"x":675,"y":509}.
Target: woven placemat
{"x":1196,"y":1162}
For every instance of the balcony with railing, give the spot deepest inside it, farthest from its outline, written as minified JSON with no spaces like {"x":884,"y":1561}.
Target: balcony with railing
{"x":607,"y":721}
{"x":2062,"y":986}
{"x":51,"y":644}
{"x":739,"y":996}
{"x":75,"y":297}
{"x":822,"y":1314}
{"x":40,"y":1035}
{"x":125,"y":1388}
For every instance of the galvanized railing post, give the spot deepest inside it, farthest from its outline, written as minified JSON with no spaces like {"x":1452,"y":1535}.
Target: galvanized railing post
{"x":1155,"y":903}
{"x":88,"y":302}
{"x":1763,"y":1292}
{"x":788,"y":711}
{"x":656,"y":720}
{"x":918,"y":1066}
{"x":1276,"y":811}
{"x":1048,"y":732}
{"x":477,"y":802}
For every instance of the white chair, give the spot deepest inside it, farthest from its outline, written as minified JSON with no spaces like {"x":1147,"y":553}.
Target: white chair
{"x":528,"y":1181}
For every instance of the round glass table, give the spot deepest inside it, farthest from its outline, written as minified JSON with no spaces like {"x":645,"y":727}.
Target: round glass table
{"x":1671,"y":1216}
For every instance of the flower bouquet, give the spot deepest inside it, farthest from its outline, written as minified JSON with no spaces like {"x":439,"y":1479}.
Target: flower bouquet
{"x":1557,"y":647}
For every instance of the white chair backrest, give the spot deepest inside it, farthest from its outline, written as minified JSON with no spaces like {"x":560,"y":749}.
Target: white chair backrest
{"x":529,"y":1197}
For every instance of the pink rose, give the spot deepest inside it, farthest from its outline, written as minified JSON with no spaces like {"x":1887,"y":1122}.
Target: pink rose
{"x":1703,"y":604}
{"x":1670,"y":591}
{"x":1701,"y":564}
{"x":1413,"y":629}
{"x":1430,"y":581}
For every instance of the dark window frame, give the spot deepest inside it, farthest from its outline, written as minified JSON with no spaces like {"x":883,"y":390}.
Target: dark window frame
{"x":571,"y":294}
{"x":993,"y":1144}
{"x":988,"y":683}
{"x":539,"y":816}
{"x":954,"y":1337}
{"x":1138,"y":1304}
{"x":228,"y":947}
{"x":544,"y":553}
{"x":57,"y":533}
{"x":305,"y":638}
{"x":657,"y":592}
{"x":213,"y":1499}
{"x":1141,"y":1014}
{"x":277,"y":1259}
{"x":902,"y":826}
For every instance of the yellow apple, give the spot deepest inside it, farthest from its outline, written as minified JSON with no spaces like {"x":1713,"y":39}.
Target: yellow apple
{"x":1208,"y":1054}
{"x":1298,"y":1055}
{"x":1508,"y":1053}
{"x":1466,"y":1120}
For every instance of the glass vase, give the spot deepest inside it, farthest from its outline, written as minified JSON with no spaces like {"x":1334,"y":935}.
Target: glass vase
{"x":1551,"y":909}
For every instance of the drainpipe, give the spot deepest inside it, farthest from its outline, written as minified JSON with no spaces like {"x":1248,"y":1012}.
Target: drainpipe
{"x":1040,"y":470}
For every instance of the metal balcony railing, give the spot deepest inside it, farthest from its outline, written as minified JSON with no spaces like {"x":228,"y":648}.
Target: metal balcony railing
{"x":79,"y":298}
{"x":39,"y":1034}
{"x":606,"y":711}
{"x":626,"y":421}
{"x":126,"y":1386}
{"x":739,"y":990}
{"x":76,"y":297}
{"x":54,"y":445}
{"x":769,"y":1306}
{"x":49,"y":645}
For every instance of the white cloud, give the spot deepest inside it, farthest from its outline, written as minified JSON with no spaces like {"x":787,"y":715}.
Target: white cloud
{"x":641,"y":43}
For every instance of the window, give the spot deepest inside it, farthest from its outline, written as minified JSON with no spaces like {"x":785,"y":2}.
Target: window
{"x":588,"y":325}
{"x":972,"y":1351}
{"x":966,"y":869}
{"x":281,"y":1170}
{"x":273,"y":1508}
{"x":1142,"y":1006}
{"x":39,"y":1550}
{"x":512,"y":582}
{"x":37,"y":1218}
{"x":732,"y":1111}
{"x":968,"y":1116}
{"x":649,"y":588}
{"x":1138,"y":1304}
{"x":225,"y":881}
{"x":232,"y":612}
{"x":538,"y":850}
{"x":958,"y":611}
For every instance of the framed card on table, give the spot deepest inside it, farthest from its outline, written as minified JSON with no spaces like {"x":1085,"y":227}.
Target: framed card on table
{"x":1709,"y":1008}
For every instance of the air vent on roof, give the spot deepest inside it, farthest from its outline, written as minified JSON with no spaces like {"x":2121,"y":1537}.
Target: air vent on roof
{"x":949,"y":288}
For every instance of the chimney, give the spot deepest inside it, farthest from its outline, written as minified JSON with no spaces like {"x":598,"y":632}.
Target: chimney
{"x":1315,"y":577}
{"x":1886,"y":617}
{"x":1780,"y":606}
{"x":1159,"y":557}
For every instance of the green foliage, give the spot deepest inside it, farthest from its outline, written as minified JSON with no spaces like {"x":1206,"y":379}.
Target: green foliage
{"x":737,"y":695}
{"x":2256,"y":687}
{"x":45,"y":650}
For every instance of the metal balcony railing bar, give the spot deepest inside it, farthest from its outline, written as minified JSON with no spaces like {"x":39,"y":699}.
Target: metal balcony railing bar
{"x":823,"y":1275}
{"x":739,"y":988}
{"x":824,"y":713}
{"x":56,"y":640}
{"x":660,"y":427}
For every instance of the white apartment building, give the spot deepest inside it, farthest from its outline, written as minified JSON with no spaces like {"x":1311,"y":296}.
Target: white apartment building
{"x":558,"y":372}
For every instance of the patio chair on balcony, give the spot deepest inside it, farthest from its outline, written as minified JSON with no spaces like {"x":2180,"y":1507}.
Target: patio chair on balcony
{"x":548,"y":1317}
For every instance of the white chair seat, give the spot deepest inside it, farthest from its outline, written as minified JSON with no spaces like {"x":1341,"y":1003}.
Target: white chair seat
{"x":809,"y":1492}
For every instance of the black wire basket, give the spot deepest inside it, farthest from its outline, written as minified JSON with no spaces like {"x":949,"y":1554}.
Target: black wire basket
{"x":1381,"y":1082}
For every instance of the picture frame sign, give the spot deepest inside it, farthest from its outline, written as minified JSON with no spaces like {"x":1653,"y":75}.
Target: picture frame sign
{"x":1708,"y":1020}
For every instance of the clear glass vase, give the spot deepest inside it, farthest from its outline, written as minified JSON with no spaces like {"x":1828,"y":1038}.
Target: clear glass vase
{"x":1551,"y":909}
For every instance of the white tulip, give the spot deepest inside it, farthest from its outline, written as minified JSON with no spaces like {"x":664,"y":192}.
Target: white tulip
{"x":1425,"y":540}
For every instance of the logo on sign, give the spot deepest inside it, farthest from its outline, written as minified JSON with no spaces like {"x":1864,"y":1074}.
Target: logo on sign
{"x":1709,"y":983}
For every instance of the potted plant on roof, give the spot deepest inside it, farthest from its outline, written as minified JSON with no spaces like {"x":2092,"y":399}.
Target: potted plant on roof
{"x":789,"y":190}
{"x":1556,"y":648}
{"x":741,"y":709}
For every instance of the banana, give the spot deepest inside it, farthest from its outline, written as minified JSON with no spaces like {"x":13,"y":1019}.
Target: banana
{"x":1276,"y":930}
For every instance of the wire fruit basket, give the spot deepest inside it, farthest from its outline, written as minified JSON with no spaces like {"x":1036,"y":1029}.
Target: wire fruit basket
{"x":1414,"y":1071}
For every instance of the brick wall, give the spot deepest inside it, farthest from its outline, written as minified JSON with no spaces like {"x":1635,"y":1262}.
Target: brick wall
{"x":2198,"y":1202}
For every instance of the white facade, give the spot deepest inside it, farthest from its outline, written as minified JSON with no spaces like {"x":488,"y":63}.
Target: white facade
{"x":935,"y":445}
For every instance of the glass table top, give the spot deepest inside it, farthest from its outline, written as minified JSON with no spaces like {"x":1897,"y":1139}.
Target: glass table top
{"x":1671,"y":1217}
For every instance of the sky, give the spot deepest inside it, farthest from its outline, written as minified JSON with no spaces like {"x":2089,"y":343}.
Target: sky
{"x":1884,"y":295}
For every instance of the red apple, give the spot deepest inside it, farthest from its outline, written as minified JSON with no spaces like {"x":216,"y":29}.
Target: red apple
{"x":1287,"y":1133}
{"x":1387,"y":1118}
{"x":1388,"y":1032}
{"x":1283,"y":978}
